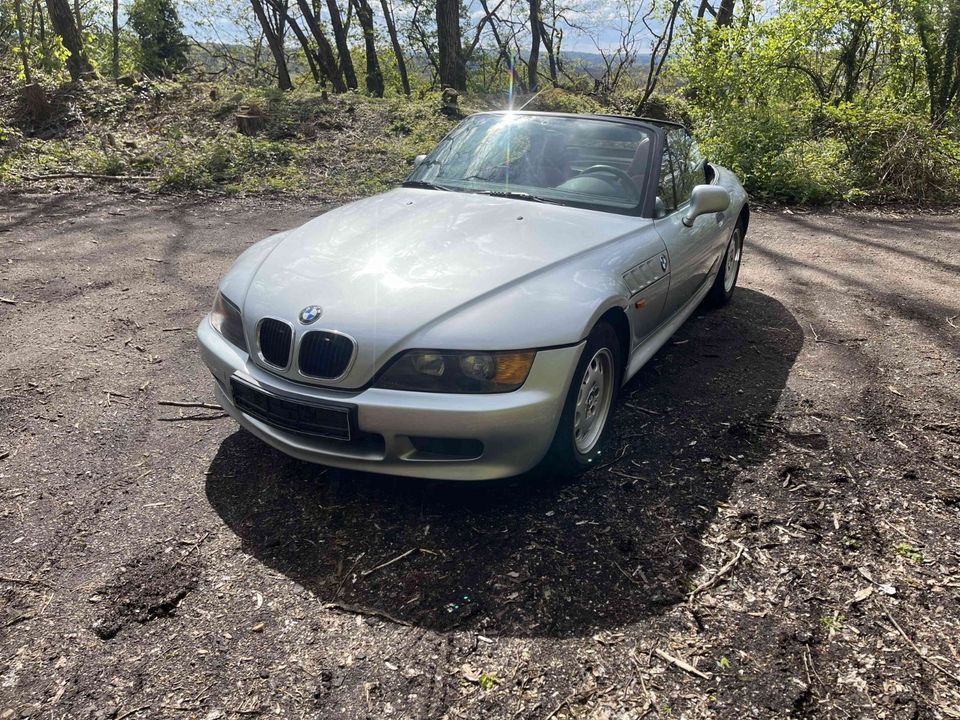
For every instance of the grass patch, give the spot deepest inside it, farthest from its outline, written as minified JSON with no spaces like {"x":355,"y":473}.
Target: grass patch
{"x":185,"y":134}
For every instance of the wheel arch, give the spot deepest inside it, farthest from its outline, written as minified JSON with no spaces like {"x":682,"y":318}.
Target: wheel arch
{"x":744,"y":218}
{"x":616,"y":317}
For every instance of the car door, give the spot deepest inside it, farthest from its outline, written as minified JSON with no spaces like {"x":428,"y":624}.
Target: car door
{"x":693,"y":252}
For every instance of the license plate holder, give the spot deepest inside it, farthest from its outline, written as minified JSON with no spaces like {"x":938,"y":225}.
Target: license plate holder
{"x":303,"y":417}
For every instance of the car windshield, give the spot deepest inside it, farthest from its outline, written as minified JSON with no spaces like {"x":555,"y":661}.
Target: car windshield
{"x":565,"y":160}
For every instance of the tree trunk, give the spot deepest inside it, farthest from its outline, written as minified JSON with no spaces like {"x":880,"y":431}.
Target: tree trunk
{"x":61,"y":17}
{"x":397,"y":50}
{"x":453,"y":72}
{"x":307,"y":50}
{"x":275,"y":44}
{"x":282,"y":9}
{"x":343,"y":44}
{"x":725,"y":13}
{"x":551,"y":54}
{"x":24,"y":54}
{"x":374,"y":74}
{"x":325,"y":57}
{"x":116,"y":40}
{"x":534,"y":60}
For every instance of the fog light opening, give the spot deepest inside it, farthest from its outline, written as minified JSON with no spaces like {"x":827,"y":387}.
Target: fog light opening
{"x":435,"y":448}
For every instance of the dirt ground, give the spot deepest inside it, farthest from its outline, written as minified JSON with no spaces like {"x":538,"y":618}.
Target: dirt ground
{"x":776,"y":533}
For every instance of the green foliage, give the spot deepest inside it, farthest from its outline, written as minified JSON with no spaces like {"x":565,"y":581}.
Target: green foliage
{"x":558,"y":100}
{"x":833,"y":623}
{"x":185,"y":133}
{"x":488,"y":681}
{"x":820,"y":102}
{"x":224,"y":161}
{"x":163,"y":46}
{"x":906,"y":550}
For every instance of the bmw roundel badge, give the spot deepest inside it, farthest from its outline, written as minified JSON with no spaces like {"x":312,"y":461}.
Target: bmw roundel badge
{"x":310,"y":314}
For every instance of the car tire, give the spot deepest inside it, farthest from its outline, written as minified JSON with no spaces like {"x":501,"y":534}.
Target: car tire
{"x":726,"y":280}
{"x":586,"y":420}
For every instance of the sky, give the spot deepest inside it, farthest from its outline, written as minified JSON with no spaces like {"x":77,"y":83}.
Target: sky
{"x":224,"y":21}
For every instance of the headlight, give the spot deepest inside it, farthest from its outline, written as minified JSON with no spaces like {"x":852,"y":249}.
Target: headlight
{"x":457,"y":372}
{"x":226,"y":320}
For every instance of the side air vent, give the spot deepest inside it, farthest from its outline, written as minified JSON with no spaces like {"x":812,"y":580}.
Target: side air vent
{"x":274,"y":338}
{"x":325,"y":355}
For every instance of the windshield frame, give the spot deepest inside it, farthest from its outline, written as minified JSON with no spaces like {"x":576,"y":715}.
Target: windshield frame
{"x":647,"y":200}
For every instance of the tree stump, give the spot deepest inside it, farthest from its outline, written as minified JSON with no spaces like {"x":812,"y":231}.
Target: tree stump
{"x":35,"y":102}
{"x":449,"y":102}
{"x":250,"y":120}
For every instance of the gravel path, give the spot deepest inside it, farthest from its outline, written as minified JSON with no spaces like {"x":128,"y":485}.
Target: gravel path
{"x":777,"y":533}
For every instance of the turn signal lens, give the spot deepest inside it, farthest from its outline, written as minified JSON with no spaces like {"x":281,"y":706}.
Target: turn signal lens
{"x":513,"y":368}
{"x":458,"y":372}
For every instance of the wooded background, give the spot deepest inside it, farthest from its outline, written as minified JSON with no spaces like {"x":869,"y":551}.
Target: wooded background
{"x":809,"y":100}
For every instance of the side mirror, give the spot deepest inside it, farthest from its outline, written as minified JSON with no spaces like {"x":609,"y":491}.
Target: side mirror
{"x":705,"y":199}
{"x":418,"y":161}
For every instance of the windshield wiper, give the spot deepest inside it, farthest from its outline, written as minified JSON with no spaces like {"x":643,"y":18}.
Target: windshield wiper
{"x":517,"y":195}
{"x":424,"y":184}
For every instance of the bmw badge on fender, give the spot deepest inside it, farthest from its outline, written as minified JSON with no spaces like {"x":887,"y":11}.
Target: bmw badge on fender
{"x":479,"y":320}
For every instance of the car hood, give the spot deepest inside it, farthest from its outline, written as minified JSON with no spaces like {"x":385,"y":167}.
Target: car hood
{"x":388,"y":268}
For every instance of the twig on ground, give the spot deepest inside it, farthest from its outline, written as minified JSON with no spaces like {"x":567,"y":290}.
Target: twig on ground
{"x":218,"y":416}
{"x":901,"y":533}
{"x":181,"y":708}
{"x":347,"y":574}
{"x":194,"y":547}
{"x":627,"y":575}
{"x":575,"y":698}
{"x":913,"y":645}
{"x":951,"y":319}
{"x":945,"y":467}
{"x":133,"y":712}
{"x":364,"y":573}
{"x":816,"y":338}
{"x":89,"y":176}
{"x":359,"y":610}
{"x":717,"y":577}
{"x":19,"y":619}
{"x":648,"y":411}
{"x":687,"y":667}
{"x":156,"y":260}
{"x":177,"y":403}
{"x":24,"y":581}
{"x":4,"y":455}
{"x":8,"y":301}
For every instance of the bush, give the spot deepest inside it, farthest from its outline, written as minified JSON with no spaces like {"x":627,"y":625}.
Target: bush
{"x":558,"y":100}
{"x":898,"y":154}
{"x":163,"y":46}
{"x":810,"y":171}
{"x":223,"y":160}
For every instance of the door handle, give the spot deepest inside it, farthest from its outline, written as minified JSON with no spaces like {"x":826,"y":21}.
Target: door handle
{"x":721,"y":218}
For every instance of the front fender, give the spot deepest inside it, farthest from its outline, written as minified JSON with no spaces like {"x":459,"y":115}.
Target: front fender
{"x":546,"y":311}
{"x":236,"y":280}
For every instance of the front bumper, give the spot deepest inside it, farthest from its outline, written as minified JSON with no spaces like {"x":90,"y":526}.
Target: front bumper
{"x":515,"y":428}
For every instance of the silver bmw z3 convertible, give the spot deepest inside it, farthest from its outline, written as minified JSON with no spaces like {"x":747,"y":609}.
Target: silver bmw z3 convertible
{"x":480,"y":319}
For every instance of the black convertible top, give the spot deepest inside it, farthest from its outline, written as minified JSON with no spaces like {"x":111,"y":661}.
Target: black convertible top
{"x":655,"y":122}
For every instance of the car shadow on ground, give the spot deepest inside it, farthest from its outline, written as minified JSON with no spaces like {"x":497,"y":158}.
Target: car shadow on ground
{"x":534,"y":556}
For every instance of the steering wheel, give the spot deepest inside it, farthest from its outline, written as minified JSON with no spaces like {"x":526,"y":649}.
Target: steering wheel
{"x":617,"y":173}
